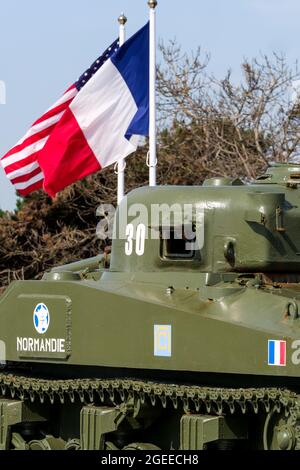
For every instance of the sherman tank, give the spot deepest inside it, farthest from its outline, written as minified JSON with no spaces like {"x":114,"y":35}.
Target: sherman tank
{"x":186,"y":336}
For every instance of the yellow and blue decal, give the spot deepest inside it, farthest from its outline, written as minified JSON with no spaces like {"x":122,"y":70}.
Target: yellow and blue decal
{"x":163,"y":340}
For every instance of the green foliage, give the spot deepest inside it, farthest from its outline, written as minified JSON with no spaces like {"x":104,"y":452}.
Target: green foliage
{"x":19,"y":203}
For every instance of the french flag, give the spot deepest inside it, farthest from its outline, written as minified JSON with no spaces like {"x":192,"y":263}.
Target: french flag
{"x":276,"y":352}
{"x":104,"y":121}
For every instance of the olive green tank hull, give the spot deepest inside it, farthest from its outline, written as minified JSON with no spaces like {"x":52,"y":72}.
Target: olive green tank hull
{"x":213,"y":365}
{"x":222,"y":329}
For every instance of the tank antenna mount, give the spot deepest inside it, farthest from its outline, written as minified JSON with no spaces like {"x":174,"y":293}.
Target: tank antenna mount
{"x":122,"y":19}
{"x":152,"y":4}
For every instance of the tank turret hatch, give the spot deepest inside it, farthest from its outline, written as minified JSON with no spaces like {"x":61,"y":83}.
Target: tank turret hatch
{"x":223,"y":181}
{"x":281,"y":173}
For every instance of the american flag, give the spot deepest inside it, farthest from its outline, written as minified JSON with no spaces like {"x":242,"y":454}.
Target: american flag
{"x":21,"y":162}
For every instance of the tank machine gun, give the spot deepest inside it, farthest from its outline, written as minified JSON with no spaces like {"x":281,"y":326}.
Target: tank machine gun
{"x":185,"y":343}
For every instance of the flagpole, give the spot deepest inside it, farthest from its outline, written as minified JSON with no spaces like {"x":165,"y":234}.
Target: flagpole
{"x":152,"y":161}
{"x":121,"y":163}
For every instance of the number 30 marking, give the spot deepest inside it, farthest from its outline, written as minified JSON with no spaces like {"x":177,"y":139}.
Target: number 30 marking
{"x":139,"y":239}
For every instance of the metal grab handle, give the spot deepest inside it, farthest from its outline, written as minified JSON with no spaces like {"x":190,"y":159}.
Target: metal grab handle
{"x":147,"y":161}
{"x":291,"y":309}
{"x":118,"y":170}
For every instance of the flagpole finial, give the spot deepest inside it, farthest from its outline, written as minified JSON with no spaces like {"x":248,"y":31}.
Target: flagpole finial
{"x":122,"y":19}
{"x":152,"y":3}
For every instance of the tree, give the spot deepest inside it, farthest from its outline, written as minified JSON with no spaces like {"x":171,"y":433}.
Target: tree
{"x":235,"y":129}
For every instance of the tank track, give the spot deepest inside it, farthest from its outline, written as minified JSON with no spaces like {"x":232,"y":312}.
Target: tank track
{"x":192,"y":398}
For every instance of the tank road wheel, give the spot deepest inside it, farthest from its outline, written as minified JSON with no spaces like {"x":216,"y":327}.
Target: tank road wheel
{"x":279,"y":433}
{"x":49,"y":443}
{"x":74,"y":444}
{"x":141,"y":446}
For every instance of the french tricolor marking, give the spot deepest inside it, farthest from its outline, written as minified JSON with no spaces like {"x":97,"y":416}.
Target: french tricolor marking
{"x":276,"y":352}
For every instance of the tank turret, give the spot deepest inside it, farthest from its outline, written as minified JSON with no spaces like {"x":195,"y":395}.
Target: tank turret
{"x":234,"y":228}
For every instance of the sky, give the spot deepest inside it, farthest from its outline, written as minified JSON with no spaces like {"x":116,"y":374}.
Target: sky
{"x":46,"y":45}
